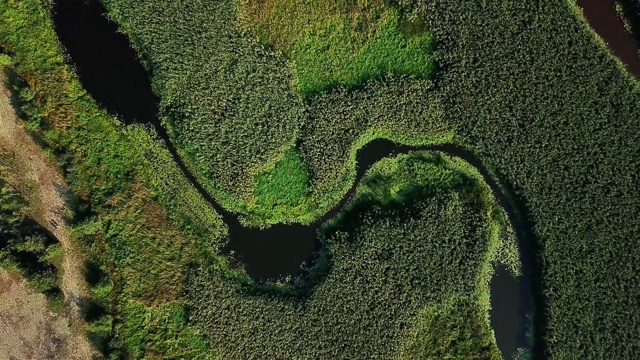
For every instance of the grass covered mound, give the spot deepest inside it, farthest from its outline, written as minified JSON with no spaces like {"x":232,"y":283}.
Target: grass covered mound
{"x":408,"y":256}
{"x":345,"y":42}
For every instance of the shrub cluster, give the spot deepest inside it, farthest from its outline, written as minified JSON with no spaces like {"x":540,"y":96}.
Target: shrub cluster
{"x":27,"y":247}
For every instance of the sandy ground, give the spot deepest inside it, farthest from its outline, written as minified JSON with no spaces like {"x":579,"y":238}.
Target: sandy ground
{"x":40,"y":181}
{"x":28,"y":329}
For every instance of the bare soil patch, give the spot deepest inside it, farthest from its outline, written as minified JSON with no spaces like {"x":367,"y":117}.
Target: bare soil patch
{"x":38,"y":179}
{"x":30,"y":330}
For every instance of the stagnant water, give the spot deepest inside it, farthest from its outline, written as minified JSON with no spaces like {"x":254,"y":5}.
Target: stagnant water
{"x":109,"y":69}
{"x":602,"y":16}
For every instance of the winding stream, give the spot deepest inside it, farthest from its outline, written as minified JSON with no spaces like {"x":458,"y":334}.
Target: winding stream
{"x":607,"y":23}
{"x":110,"y":70}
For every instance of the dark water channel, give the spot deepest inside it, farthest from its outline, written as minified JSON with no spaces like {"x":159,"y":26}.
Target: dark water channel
{"x":110,"y":70}
{"x":603,"y":18}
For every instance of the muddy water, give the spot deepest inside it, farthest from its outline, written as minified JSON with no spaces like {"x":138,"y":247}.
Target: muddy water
{"x":604,"y":19}
{"x":111,"y":72}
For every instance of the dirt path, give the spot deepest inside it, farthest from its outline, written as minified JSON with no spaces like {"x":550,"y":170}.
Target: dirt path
{"x":29,"y":329}
{"x":36,"y":177}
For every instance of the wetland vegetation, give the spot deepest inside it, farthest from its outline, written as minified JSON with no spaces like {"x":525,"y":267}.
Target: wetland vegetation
{"x":255,"y":131}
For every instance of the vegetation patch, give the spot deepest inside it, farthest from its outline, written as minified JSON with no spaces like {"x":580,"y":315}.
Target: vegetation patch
{"x":345,"y":42}
{"x":234,"y":110}
{"x":550,"y":112}
{"x":224,"y":87}
{"x":118,"y":221}
{"x":454,"y":329}
{"x":508,"y":90}
{"x":399,"y":180}
{"x":284,"y":186}
{"x":389,"y":260}
{"x":27,"y":247}
{"x":156,"y":332}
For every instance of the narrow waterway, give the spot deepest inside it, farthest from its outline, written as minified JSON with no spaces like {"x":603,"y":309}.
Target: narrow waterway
{"x":111,"y":72}
{"x":605,"y":20}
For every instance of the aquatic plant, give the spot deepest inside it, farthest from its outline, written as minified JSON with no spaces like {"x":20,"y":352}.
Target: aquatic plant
{"x":524,"y":84}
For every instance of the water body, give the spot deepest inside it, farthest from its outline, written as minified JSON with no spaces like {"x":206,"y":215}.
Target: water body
{"x":110,"y":70}
{"x":602,"y":16}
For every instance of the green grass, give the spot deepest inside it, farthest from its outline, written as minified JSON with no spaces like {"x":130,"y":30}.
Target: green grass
{"x":119,"y":222}
{"x":453,"y":329}
{"x":286,"y":185}
{"x":282,"y":23}
{"x":340,"y":43}
{"x":27,"y":248}
{"x":392,"y":260}
{"x":397,"y":180}
{"x":526,"y":85}
{"x":332,"y":54}
{"x":165,"y":328}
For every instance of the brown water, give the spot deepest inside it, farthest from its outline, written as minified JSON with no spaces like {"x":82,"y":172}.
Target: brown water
{"x":604,"y":19}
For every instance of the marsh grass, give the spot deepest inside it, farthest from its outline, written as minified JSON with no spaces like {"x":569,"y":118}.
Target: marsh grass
{"x":284,"y":186}
{"x":341,"y":43}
